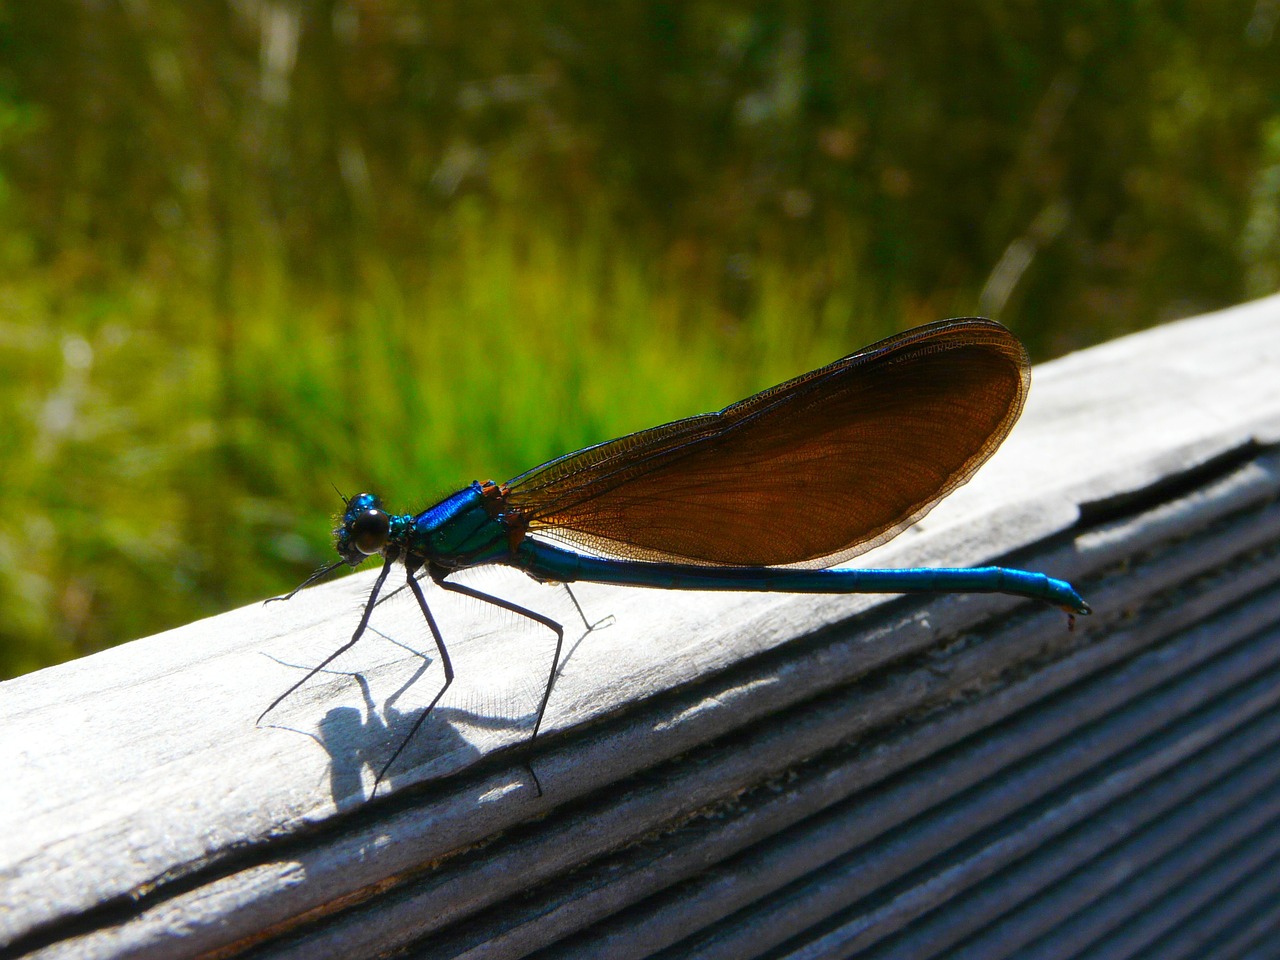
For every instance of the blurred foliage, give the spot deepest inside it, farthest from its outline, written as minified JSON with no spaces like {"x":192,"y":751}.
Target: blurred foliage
{"x":250,"y":248}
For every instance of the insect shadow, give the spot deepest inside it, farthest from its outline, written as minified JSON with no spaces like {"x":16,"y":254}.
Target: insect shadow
{"x":357,"y":739}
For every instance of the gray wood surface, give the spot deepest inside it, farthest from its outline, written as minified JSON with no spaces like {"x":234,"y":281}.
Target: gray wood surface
{"x":148,"y":815}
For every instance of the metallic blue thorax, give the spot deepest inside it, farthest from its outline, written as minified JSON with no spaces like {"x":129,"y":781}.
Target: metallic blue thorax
{"x":462,"y":530}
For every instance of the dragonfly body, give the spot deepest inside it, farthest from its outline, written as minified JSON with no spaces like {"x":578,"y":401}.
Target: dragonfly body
{"x":765,"y":495}
{"x":471,"y":528}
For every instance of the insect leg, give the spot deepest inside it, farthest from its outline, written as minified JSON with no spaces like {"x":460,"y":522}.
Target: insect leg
{"x":602,"y":622}
{"x":364,"y":622}
{"x":412,"y":567}
{"x":547,"y":622}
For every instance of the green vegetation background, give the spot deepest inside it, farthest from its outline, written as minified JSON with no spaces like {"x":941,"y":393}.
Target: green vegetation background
{"x":251,"y":249}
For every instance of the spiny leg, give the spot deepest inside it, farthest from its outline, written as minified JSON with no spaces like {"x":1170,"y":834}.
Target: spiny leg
{"x":547,"y":622}
{"x":588,"y":627}
{"x":412,"y":569}
{"x":318,"y":575}
{"x":364,"y":622}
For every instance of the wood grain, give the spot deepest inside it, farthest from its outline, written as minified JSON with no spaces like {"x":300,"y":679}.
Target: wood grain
{"x":148,"y":814}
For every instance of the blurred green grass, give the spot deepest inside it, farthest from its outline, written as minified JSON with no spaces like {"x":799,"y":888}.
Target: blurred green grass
{"x":155,"y":477}
{"x":253,"y":251}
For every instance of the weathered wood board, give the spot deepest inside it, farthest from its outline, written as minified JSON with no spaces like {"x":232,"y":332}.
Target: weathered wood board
{"x":149,"y":814}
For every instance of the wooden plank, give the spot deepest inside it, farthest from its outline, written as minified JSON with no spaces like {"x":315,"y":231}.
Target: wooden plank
{"x":525,"y":865}
{"x":150,"y":816}
{"x":909,"y":827}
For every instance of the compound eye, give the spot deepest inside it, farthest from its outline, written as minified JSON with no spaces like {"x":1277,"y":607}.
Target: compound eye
{"x":369,"y":531}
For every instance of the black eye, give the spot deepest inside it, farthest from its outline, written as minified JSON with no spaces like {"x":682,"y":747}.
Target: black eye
{"x":369,"y":531}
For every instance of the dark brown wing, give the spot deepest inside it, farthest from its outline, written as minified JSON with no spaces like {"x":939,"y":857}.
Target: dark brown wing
{"x":808,"y":473}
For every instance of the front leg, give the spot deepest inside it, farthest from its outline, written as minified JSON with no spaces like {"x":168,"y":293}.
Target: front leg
{"x":355,"y":637}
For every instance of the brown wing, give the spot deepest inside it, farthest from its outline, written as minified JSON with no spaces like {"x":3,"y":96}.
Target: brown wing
{"x":808,"y":473}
